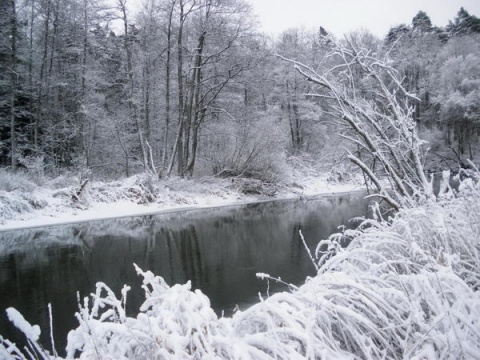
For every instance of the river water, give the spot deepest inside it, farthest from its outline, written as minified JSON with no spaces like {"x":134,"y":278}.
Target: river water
{"x":220,"y":250}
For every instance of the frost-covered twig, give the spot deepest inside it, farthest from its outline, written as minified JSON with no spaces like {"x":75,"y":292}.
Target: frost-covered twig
{"x":308,"y":250}
{"x":31,"y":332}
{"x":50,"y":317}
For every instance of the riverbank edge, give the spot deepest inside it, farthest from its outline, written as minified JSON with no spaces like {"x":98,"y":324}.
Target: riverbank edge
{"x":221,"y":195}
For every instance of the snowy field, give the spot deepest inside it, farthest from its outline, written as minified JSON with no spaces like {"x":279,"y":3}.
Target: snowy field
{"x":407,"y":288}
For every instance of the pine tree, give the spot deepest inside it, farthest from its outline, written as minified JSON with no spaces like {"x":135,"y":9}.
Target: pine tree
{"x":421,"y":22}
{"x":464,"y":23}
{"x":11,"y":99}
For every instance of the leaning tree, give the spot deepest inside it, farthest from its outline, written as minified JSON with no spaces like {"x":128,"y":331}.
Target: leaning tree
{"x":365,"y":94}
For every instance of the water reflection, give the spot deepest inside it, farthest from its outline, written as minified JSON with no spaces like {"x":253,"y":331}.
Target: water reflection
{"x":219,"y":250}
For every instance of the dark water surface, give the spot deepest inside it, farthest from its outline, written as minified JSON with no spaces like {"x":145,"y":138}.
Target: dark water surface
{"x":220,"y":250}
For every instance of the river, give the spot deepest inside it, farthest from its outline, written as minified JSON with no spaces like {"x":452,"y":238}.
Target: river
{"x":220,"y":250}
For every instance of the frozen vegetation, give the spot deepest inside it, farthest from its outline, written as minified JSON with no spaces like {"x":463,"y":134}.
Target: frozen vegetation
{"x":406,"y":287}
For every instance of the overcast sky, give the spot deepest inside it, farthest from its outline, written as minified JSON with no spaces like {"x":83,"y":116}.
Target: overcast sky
{"x":343,"y":16}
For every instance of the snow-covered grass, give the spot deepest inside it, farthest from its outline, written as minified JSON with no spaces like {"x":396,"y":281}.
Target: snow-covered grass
{"x":28,"y":202}
{"x":407,"y":288}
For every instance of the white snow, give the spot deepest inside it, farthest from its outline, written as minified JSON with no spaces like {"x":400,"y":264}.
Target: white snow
{"x":43,"y":206}
{"x":31,"y":332}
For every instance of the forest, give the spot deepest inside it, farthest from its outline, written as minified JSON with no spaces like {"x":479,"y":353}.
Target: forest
{"x":190,"y":87}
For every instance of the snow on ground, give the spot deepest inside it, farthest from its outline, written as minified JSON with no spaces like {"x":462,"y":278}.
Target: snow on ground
{"x":24,"y":205}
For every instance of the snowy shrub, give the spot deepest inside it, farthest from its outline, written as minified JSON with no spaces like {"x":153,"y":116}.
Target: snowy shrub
{"x":173,"y":322}
{"x":21,"y":193}
{"x":143,"y":189}
{"x":140,"y":189}
{"x":250,"y":186}
{"x":342,"y":172}
{"x":10,"y":181}
{"x":425,"y":265}
{"x":249,"y":151}
{"x":63,"y":181}
{"x":20,"y":197}
{"x":16,"y":203}
{"x":34,"y":165}
{"x":12,"y":205}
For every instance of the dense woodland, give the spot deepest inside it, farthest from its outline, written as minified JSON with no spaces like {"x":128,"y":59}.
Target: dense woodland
{"x":191,"y":87}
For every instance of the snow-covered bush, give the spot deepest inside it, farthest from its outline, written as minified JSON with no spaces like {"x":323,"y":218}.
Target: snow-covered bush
{"x":253,"y":151}
{"x":173,"y":321}
{"x":342,"y":172}
{"x":140,"y":189}
{"x":419,"y":276}
{"x":11,"y":181}
{"x":63,"y":181}
{"x":16,"y":203}
{"x":34,"y":165}
{"x":10,"y":206}
{"x":20,"y":196}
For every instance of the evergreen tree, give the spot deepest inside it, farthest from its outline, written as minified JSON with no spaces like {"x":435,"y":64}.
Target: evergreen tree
{"x":395,"y":33}
{"x":464,"y":23}
{"x":8,"y":61}
{"x":14,"y":101}
{"x":421,"y":22}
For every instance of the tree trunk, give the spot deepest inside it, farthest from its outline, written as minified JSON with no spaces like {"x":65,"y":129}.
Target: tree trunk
{"x":293,"y":117}
{"x":191,"y":124}
{"x":193,"y":158}
{"x":289,"y":114}
{"x":146,"y":97}
{"x":13,"y":79}
{"x":131,"y":86}
{"x":167,"y":85}
{"x":178,"y":146}
{"x":42,"y":89}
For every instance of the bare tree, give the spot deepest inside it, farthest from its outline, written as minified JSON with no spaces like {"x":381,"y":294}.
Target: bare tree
{"x":167,"y":81}
{"x":377,"y":108}
{"x":131,"y":87}
{"x":217,"y":28}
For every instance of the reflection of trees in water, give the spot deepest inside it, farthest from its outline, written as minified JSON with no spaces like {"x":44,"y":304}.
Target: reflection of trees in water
{"x":191,"y":256}
{"x":205,"y":249}
{"x":297,"y":247}
{"x":84,"y":234}
{"x":220,"y":250}
{"x":31,"y":280}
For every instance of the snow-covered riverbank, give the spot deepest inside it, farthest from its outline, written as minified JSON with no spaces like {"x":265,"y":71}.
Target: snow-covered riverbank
{"x":26,"y":205}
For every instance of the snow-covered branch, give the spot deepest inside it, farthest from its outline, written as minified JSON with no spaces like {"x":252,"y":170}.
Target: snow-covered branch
{"x":380,"y":118}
